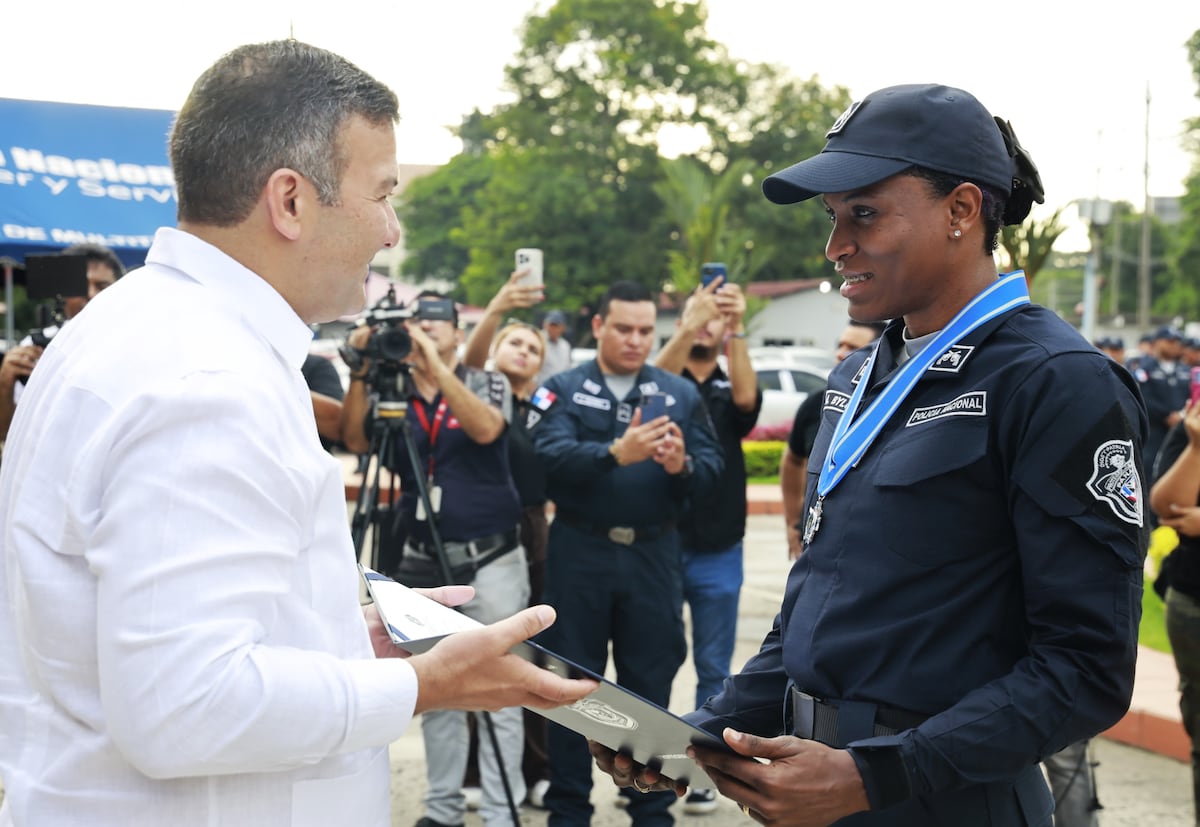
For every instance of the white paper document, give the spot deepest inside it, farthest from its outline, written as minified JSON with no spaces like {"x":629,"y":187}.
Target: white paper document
{"x":612,"y":715}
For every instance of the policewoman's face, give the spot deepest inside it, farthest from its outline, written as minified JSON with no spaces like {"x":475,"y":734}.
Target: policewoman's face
{"x":624,"y":337}
{"x":889,"y":245}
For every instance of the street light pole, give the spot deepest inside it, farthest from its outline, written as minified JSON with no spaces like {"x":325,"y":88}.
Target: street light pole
{"x":1144,"y":254}
{"x":1097,"y":214}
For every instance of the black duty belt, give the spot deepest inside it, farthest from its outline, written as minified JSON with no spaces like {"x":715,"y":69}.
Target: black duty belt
{"x":625,"y":535}
{"x":482,"y":549}
{"x":838,"y":723}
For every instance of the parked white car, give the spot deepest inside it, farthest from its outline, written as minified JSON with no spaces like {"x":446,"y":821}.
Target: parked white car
{"x":785,"y":385}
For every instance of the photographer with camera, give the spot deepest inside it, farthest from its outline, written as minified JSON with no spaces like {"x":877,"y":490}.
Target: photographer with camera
{"x":103,"y":269}
{"x":458,"y":416}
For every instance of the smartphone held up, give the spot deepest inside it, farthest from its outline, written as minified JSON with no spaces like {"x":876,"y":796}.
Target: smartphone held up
{"x":530,"y":259}
{"x":653,"y":406}
{"x":710,"y":271}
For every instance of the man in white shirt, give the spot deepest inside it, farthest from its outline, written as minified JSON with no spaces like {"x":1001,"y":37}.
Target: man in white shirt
{"x":181,"y":640}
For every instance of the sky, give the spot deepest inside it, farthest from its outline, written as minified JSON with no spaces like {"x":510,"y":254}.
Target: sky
{"x":1072,"y":77}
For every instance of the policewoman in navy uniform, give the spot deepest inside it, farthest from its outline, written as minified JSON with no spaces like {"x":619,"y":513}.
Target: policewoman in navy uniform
{"x":967,"y":599}
{"x":618,"y":479}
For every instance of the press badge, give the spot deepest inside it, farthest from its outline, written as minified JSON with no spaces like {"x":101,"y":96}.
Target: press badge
{"x":435,"y":502}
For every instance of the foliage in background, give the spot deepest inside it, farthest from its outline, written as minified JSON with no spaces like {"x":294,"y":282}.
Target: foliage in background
{"x":1183,"y":254}
{"x":1152,"y":631}
{"x":1028,"y":245}
{"x":698,"y":204}
{"x":763,"y":458}
{"x":573,"y":166}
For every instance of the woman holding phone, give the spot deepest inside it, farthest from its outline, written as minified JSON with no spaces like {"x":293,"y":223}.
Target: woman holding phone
{"x":517,"y":351}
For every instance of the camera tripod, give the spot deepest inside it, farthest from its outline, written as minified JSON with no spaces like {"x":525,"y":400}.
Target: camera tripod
{"x":389,"y":418}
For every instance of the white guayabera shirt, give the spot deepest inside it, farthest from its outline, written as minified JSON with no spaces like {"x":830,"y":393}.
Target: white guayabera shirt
{"x":181,"y":640}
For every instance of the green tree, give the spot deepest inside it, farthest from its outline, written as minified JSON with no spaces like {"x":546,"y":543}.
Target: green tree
{"x":1184,"y":249}
{"x":431,"y":212}
{"x":1028,"y":245}
{"x":573,"y":166}
{"x":784,"y":121}
{"x":698,"y":204}
{"x":576,"y":156}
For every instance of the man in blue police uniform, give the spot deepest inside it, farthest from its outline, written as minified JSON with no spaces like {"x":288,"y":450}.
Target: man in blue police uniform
{"x":968,"y":597}
{"x":1164,"y":380}
{"x":458,"y":416}
{"x":1113,"y":347}
{"x":711,"y":531}
{"x":619,"y":480}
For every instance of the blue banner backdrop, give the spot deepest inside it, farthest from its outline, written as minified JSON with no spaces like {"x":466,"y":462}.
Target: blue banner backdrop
{"x":72,"y":173}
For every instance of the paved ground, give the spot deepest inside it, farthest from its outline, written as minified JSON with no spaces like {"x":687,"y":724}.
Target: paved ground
{"x":1136,"y":788}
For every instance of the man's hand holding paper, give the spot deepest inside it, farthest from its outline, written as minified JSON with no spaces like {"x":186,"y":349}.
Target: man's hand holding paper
{"x":474,"y":669}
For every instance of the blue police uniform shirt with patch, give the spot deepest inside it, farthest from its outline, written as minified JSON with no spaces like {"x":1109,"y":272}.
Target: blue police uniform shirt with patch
{"x":576,"y":418}
{"x":981,"y":565}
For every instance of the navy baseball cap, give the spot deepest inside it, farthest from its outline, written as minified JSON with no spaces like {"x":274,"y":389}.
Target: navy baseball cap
{"x":1168,"y":332}
{"x":927,"y":125}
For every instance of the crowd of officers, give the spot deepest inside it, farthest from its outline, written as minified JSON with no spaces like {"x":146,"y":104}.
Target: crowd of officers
{"x":1162,"y":367}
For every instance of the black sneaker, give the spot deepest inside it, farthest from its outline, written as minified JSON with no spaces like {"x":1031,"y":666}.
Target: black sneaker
{"x":700,"y":802}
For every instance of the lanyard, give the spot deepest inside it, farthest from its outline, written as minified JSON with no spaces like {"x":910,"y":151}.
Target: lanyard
{"x":852,"y":437}
{"x":432,"y":431}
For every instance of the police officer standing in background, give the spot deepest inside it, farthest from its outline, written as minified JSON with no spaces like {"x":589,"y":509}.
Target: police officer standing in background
{"x":619,"y":482}
{"x":968,"y":597}
{"x":1164,"y":380}
{"x":712,"y":529}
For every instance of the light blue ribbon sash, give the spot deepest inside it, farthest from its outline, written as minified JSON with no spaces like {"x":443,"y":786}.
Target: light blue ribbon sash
{"x":853,"y":437}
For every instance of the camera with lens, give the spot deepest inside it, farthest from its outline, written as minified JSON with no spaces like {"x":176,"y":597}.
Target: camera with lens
{"x":53,"y":278}
{"x":390,"y":344}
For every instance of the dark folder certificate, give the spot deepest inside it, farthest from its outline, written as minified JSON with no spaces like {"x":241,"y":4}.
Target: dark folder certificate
{"x":612,"y":715}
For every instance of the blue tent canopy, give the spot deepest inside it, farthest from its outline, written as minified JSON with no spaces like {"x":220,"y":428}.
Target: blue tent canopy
{"x":72,"y":173}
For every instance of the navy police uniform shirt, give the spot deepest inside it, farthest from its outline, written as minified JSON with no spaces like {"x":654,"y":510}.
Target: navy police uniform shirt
{"x":575,"y":418}
{"x":980,"y":568}
{"x":478,"y":498}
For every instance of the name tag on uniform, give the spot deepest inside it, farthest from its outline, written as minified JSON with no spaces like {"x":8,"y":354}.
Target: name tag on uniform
{"x":435,"y":502}
{"x":591,"y":401}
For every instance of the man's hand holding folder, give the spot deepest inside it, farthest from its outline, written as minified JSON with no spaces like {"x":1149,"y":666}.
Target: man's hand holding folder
{"x":474,"y":668}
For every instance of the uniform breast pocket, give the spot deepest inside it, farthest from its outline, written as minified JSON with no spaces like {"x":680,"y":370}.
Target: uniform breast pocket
{"x":594,"y":425}
{"x":939,"y":498}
